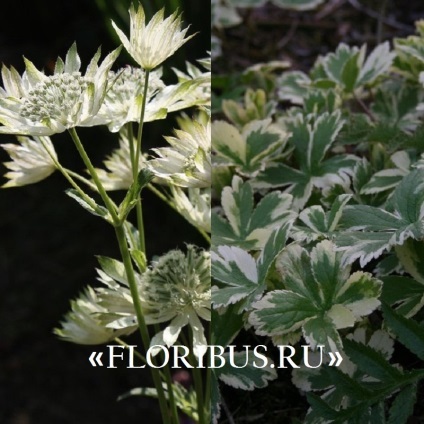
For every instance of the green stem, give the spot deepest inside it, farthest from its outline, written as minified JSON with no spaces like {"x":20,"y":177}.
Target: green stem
{"x":81,"y":178}
{"x":198,"y":383}
{"x":87,"y":162}
{"x":68,"y":175}
{"x":139,"y":210}
{"x":168,"y":379}
{"x":126,"y":257}
{"x":208,"y":383}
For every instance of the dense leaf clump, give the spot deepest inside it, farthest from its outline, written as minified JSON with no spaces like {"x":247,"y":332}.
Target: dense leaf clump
{"x":318,"y":227}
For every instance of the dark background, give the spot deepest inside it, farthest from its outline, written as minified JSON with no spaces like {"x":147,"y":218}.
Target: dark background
{"x":48,"y":242}
{"x":271,"y":33}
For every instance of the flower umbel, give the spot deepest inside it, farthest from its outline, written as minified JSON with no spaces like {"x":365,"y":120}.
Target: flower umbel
{"x":188,"y":162}
{"x":30,"y":162}
{"x":177,"y":288}
{"x":82,"y":325}
{"x":152,"y":44}
{"x":37,"y":104}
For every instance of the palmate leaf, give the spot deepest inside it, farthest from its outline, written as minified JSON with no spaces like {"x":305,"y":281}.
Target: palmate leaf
{"x":249,"y":151}
{"x":410,"y":53}
{"x":359,"y":393}
{"x":249,"y":227}
{"x":348,"y":68}
{"x":373,"y":230}
{"x":396,"y":104}
{"x":241,"y":278}
{"x":311,"y":140}
{"x":388,"y":179}
{"x":380,"y":347}
{"x":319,"y":224}
{"x":245,"y":371}
{"x":320,"y":297}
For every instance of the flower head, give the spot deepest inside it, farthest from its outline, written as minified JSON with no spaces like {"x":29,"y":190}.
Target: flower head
{"x":177,"y":288}
{"x":82,"y":325}
{"x":37,"y":104}
{"x":152,"y":44}
{"x":188,"y":162}
{"x":30,"y":162}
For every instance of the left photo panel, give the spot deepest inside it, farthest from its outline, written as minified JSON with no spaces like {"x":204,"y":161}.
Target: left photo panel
{"x":105,"y":218}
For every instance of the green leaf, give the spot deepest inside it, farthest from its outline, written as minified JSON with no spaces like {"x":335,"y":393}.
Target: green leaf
{"x":321,"y":296}
{"x":408,"y":331}
{"x":226,"y":325}
{"x":249,"y":227}
{"x":240,"y":277}
{"x":311,"y":138}
{"x":403,"y":405}
{"x":96,"y":210}
{"x":383,"y":229}
{"x":371,"y":362}
{"x":405,"y":293}
{"x":250,"y":150}
{"x":244,"y":372}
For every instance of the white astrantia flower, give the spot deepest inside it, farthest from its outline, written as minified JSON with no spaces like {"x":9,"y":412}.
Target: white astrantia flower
{"x":37,"y":104}
{"x":118,"y":174}
{"x":151,"y":44}
{"x":177,"y":287}
{"x":30,"y":162}
{"x":123,"y":101}
{"x":82,"y":325}
{"x":188,"y":162}
{"x":194,"y":205}
{"x":124,"y":97}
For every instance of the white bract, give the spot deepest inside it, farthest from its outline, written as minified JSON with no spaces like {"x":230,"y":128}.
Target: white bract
{"x":178,"y":288}
{"x":30,"y":162}
{"x":37,"y":104}
{"x":82,"y":325}
{"x":124,"y":98}
{"x":188,"y":162}
{"x":194,"y":205}
{"x":151,"y":44}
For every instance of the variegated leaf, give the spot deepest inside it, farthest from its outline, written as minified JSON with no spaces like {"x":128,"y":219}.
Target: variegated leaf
{"x":321,"y":296}
{"x":312,"y":139}
{"x":240,"y":277}
{"x":374,"y":230}
{"x":250,"y":150}
{"x":249,"y":227}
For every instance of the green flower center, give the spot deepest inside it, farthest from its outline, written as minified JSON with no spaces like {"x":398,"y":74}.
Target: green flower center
{"x":58,"y":98}
{"x":178,"y":282}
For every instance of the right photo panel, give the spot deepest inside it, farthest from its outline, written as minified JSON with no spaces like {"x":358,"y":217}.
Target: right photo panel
{"x":317,"y":212}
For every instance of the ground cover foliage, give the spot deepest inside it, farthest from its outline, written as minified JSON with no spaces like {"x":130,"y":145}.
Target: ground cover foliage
{"x":317,"y":230}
